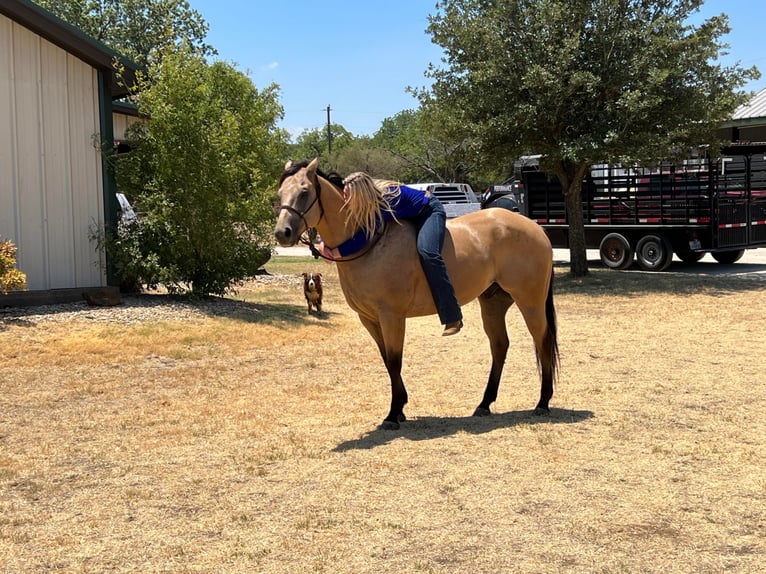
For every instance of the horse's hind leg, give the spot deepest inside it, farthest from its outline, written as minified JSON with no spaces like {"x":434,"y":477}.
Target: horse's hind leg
{"x":494,"y":303}
{"x":541,"y":322}
{"x":391,"y":344}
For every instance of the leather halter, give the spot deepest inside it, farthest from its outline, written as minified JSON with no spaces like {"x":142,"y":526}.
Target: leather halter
{"x":302,"y":214}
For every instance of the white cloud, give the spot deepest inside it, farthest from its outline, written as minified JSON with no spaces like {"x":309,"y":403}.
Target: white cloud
{"x":271,"y":66}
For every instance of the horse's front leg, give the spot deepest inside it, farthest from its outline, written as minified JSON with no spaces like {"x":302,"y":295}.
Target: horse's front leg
{"x":389,"y":336}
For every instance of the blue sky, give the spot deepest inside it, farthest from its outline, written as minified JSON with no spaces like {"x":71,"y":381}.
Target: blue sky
{"x":359,"y":57}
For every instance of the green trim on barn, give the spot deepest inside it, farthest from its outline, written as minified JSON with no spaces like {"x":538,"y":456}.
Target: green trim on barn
{"x":111,"y":205}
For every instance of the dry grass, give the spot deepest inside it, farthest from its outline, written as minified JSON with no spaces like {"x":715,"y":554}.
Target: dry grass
{"x":249,"y":443}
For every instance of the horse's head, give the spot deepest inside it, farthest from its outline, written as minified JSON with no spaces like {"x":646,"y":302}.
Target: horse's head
{"x":299,"y":204}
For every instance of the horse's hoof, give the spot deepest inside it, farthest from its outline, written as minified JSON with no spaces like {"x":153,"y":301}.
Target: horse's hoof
{"x":401,"y":417}
{"x":540,"y":412}
{"x":389,"y":425}
{"x":482,"y":412}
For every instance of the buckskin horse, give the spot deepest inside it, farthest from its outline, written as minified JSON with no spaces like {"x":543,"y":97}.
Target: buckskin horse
{"x":494,"y":254}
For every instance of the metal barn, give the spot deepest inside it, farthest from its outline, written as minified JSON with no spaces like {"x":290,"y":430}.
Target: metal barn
{"x":56,"y":92}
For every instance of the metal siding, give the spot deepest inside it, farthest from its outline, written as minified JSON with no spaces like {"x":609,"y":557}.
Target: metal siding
{"x":56,"y":163}
{"x":50,"y":169}
{"x":86,"y":170}
{"x":31,"y":255}
{"x":8,"y":213}
{"x":121,"y":124}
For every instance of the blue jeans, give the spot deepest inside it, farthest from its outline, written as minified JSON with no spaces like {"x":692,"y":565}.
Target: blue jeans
{"x":430,"y":227}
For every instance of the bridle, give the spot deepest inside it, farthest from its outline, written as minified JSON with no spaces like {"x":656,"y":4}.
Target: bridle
{"x":302,"y":214}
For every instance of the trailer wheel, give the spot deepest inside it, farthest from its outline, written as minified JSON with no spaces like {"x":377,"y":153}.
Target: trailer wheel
{"x":727,"y":257}
{"x":653,"y":253}
{"x":690,"y":256}
{"x":615,"y":251}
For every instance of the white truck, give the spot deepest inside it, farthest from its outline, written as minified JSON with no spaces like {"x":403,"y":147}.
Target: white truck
{"x":457,"y":198}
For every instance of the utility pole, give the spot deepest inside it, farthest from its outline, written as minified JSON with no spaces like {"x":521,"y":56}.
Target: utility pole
{"x":329,"y":131}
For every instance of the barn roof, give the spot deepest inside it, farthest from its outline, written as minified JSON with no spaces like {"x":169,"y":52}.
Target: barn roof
{"x":752,"y":112}
{"x":69,"y":38}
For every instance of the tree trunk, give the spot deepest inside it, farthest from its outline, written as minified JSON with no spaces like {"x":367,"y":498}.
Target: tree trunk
{"x":578,"y":257}
{"x":570,"y":177}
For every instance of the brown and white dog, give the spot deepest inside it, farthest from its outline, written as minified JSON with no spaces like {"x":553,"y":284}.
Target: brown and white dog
{"x":312,"y":289}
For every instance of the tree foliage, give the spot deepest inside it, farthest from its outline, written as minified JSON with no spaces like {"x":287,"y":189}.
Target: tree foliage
{"x":583,"y":81}
{"x":410,"y":146}
{"x":202,"y":173}
{"x":427,"y":146}
{"x":312,"y":143}
{"x":349,"y":152}
{"x":138,"y":29}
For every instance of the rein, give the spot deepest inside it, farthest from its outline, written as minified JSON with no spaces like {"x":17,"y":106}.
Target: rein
{"x":345,"y":259}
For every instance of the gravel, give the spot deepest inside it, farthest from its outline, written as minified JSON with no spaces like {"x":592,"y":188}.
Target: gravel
{"x":143,"y":307}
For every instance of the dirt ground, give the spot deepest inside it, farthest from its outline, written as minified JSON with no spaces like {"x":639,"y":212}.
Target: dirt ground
{"x":241,"y":436}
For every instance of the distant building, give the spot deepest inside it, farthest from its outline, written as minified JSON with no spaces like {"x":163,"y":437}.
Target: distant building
{"x":748,"y":124}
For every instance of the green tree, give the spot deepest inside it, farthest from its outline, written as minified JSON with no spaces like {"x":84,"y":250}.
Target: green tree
{"x":583,"y":81}
{"x":362,"y":155}
{"x":349,"y":153}
{"x":203,"y":172}
{"x":313,"y":143}
{"x":429,"y":145}
{"x":138,"y":29}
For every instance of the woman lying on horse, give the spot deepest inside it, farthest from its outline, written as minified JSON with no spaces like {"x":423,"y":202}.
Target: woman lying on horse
{"x":370,"y":203}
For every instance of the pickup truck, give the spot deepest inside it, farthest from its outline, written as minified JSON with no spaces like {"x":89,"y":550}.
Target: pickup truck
{"x":458,"y":198}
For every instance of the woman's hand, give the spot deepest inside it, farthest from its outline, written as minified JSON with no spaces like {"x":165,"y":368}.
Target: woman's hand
{"x":329,"y":252}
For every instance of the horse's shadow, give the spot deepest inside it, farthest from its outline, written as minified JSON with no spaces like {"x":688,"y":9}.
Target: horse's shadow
{"x":427,"y":428}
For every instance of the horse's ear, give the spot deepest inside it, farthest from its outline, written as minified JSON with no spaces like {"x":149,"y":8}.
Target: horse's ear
{"x":313,"y":165}
{"x":289,"y":164}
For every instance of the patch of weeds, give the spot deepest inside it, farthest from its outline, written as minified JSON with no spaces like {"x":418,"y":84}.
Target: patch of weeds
{"x":188,"y":354}
{"x":393,"y":525}
{"x":316,"y":522}
{"x":252,"y":555}
{"x":293,"y":446}
{"x":7,"y":474}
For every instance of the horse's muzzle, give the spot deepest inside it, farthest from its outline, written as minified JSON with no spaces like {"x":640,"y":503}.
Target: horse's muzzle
{"x":285,"y":234}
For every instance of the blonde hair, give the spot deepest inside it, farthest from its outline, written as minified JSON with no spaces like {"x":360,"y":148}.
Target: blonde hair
{"x":366,"y":199}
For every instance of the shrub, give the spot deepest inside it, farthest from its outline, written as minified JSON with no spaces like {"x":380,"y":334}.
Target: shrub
{"x":11,"y":279}
{"x":203,"y":170}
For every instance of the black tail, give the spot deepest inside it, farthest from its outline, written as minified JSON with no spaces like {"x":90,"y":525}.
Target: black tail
{"x":551,"y":339}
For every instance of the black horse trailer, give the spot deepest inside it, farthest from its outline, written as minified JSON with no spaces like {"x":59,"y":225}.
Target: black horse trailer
{"x":700,"y":206}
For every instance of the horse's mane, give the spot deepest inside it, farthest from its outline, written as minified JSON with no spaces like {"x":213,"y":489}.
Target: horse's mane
{"x":334,"y":178}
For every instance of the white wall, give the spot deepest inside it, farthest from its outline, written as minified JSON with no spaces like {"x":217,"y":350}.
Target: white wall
{"x":50,"y":169}
{"x":121,"y":122}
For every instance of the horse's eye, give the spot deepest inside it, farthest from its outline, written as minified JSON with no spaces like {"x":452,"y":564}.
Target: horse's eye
{"x":304,"y":193}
